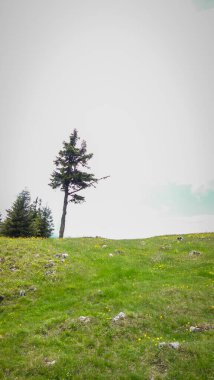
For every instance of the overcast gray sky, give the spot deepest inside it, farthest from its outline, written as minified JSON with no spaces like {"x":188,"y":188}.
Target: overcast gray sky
{"x":136,"y":79}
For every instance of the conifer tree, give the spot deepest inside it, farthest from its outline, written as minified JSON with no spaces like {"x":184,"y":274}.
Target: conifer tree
{"x":24,"y":219}
{"x":46,"y":226}
{"x":0,"y":223}
{"x":41,"y":220}
{"x":17,"y":222}
{"x":70,"y":174}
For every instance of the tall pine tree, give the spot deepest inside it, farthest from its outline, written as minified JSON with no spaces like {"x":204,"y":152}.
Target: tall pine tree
{"x":70,"y":174}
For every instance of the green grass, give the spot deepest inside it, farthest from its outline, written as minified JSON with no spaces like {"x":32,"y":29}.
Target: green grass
{"x":161,"y":289}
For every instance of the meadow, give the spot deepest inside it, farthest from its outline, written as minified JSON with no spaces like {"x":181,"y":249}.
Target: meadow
{"x":163,"y":290}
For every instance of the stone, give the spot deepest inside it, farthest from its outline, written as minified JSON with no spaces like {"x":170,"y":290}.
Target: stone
{"x":119,"y":317}
{"x":58,"y":255}
{"x":174,"y":345}
{"x":1,"y":298}
{"x":62,"y":260}
{"x":118,"y":252}
{"x":49,"y":272}
{"x":84,"y":319}
{"x":22,"y":293}
{"x":111,"y":255}
{"x":13,"y":269}
{"x":180,"y":238}
{"x":50,"y":264}
{"x":51,"y":362}
{"x":32,"y":288}
{"x":104,"y":246}
{"x":194,"y":253}
{"x":65,"y":255}
{"x":204,"y":327}
{"x":162,"y":344}
{"x":194,"y":329}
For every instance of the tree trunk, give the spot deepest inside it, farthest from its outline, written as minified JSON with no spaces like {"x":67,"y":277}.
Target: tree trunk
{"x":62,"y":226}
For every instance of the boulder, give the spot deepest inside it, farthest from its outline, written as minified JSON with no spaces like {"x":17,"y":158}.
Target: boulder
{"x":84,"y":319}
{"x":119,"y":317}
{"x":194,"y":329}
{"x":174,"y":345}
{"x":194,"y":253}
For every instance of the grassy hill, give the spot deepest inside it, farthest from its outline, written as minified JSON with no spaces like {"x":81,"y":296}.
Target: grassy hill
{"x":161,"y":288}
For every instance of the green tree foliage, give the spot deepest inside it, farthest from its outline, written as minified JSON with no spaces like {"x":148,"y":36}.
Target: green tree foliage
{"x":17,"y":222}
{"x":0,"y":224}
{"x":71,"y":174}
{"x":42,"y":222}
{"x":24,"y":219}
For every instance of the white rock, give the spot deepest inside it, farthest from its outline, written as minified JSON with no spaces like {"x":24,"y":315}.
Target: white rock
{"x":22,"y":293}
{"x":49,"y":272}
{"x":119,"y":316}
{"x":118,"y":252}
{"x":111,"y":255}
{"x":51,"y":362}
{"x":84,"y":319}
{"x":194,"y":329}
{"x":64,"y":255}
{"x":194,"y":253}
{"x":174,"y":345}
{"x":104,"y":246}
{"x":32,"y":288}
{"x":162,"y":344}
{"x":50,"y":264}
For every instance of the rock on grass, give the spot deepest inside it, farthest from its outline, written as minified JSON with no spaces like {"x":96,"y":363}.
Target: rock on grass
{"x":119,"y":317}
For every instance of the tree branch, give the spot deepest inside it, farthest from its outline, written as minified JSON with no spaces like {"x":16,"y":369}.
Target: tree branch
{"x":91,"y":184}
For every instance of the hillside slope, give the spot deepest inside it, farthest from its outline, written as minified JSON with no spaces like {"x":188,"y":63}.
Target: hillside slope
{"x":163,"y":290}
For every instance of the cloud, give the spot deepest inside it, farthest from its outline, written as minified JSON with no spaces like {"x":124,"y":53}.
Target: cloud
{"x":183,"y":200}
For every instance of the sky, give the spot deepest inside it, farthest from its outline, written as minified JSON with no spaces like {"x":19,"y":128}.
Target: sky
{"x":136,"y":79}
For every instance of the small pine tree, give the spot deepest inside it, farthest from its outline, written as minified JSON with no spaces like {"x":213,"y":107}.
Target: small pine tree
{"x":25,"y":219}
{"x":17,"y":222}
{"x":41,"y":220}
{"x":46,"y":222}
{"x":70,"y":175}
{"x":35,"y":211}
{"x":0,"y":224}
